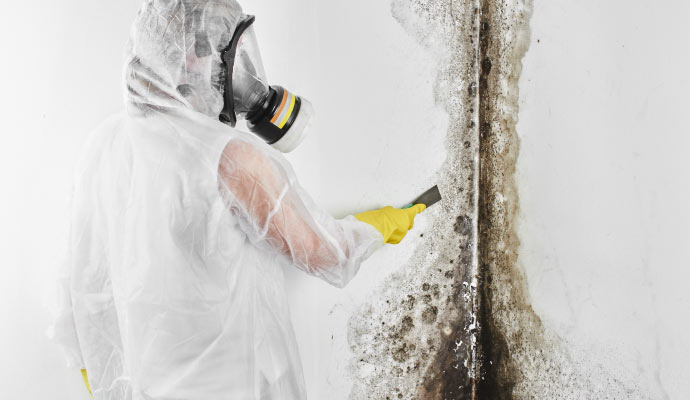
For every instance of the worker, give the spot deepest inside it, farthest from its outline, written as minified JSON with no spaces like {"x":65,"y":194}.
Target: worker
{"x":182,"y":225}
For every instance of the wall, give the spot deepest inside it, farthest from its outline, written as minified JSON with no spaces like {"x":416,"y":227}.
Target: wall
{"x":602,"y":178}
{"x":61,"y":76}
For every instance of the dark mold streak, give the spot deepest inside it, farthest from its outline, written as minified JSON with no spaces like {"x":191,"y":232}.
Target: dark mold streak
{"x":508,"y":325}
{"x":457,"y":323}
{"x":421,"y":335}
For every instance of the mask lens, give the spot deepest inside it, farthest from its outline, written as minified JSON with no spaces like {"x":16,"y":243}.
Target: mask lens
{"x":249,"y":86}
{"x":273,"y":113}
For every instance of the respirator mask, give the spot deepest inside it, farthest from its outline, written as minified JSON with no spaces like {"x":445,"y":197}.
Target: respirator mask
{"x":273,"y":113}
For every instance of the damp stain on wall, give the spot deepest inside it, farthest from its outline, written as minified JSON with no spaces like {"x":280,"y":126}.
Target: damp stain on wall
{"x":456,"y":321}
{"x":502,"y":294}
{"x":415,"y":338}
{"x":519,"y":357}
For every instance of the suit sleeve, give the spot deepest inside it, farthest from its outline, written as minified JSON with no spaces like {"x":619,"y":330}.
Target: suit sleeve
{"x":276,"y":213}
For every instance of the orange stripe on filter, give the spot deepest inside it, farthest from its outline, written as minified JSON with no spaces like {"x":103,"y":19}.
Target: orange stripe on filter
{"x":280,"y":109}
{"x":289,"y":111}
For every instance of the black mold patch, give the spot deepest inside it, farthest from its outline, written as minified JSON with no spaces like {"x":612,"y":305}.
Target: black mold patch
{"x":498,"y":243}
{"x":456,"y":322}
{"x":406,"y":325}
{"x":463,"y":225}
{"x":414,"y":338}
{"x":519,"y":358}
{"x":429,"y":314}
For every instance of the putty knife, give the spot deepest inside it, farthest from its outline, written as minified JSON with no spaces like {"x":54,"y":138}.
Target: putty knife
{"x":428,"y":198}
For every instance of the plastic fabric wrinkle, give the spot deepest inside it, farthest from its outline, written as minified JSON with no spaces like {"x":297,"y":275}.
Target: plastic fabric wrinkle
{"x":275,"y":210}
{"x":112,"y":385}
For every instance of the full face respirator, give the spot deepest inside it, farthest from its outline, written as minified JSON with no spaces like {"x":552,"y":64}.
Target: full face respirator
{"x":273,"y":113}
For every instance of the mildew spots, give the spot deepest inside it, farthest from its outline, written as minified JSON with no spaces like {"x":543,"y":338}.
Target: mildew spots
{"x":429,"y":314}
{"x":463,"y":225}
{"x":414,"y":338}
{"x":520,"y":357}
{"x":456,"y":323}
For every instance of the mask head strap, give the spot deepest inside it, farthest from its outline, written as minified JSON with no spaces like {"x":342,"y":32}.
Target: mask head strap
{"x":228,"y":116}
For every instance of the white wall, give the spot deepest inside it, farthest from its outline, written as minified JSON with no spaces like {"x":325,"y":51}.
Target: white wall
{"x":603,"y":177}
{"x":61,"y":76}
{"x":377,"y":141}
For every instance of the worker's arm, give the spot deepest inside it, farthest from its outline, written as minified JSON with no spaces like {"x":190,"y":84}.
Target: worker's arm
{"x":261,"y":189}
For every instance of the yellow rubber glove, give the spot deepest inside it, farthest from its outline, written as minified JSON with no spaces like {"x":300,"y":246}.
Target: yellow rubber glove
{"x":86,"y":381}
{"x":393,"y":223}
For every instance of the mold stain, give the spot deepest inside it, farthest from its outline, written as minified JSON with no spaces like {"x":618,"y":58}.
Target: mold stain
{"x":520,"y":357}
{"x":414,"y":339}
{"x":502,"y":286}
{"x":444,"y":336}
{"x":456,"y":322}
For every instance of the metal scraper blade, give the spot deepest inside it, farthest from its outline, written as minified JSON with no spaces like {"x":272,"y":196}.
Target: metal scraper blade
{"x":428,"y":198}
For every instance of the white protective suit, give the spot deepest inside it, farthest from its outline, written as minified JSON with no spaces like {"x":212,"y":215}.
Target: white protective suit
{"x":181,"y":228}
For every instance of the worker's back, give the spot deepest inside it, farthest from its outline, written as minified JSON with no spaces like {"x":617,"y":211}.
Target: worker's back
{"x":169,"y":300}
{"x":182,"y":225}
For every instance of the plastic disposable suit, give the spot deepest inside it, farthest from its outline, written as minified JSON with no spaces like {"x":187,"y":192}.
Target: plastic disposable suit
{"x":181,"y":228}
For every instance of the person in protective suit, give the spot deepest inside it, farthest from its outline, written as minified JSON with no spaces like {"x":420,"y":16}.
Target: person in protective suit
{"x":182,"y":225}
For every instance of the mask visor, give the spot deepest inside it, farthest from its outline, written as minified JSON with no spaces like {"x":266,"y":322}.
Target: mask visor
{"x":273,"y":113}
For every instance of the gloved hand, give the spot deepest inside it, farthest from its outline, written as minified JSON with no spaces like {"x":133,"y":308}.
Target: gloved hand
{"x":86,"y":381}
{"x":393,"y":223}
